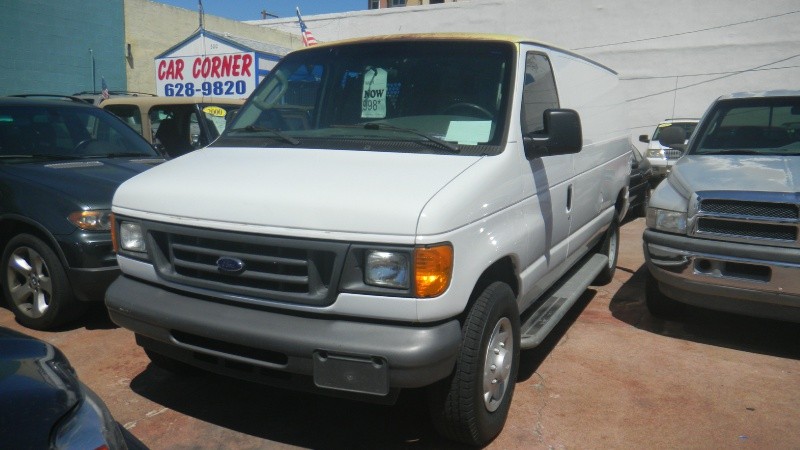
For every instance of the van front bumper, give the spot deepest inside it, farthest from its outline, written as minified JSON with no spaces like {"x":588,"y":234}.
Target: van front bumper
{"x":285,"y":349}
{"x":749,"y":279}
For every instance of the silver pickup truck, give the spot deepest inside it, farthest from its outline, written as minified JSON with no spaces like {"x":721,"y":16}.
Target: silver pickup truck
{"x":722,"y":232}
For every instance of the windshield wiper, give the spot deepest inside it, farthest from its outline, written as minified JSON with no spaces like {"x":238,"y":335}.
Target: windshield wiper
{"x":276,"y":132}
{"x":381,"y":126}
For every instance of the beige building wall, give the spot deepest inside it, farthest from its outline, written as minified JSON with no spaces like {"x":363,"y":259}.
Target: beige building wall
{"x":152,"y":28}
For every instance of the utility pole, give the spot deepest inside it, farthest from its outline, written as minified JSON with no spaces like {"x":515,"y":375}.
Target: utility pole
{"x":94,"y":83}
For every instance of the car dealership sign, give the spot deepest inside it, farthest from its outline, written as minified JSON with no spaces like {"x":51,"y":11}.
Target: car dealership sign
{"x":208,"y":64}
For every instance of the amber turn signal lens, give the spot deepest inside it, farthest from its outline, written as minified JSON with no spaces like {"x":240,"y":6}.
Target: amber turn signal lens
{"x":433,"y":268}
{"x":113,"y":223}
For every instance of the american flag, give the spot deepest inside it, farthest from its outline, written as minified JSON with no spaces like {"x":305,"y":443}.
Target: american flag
{"x":104,"y":88}
{"x":308,"y":38}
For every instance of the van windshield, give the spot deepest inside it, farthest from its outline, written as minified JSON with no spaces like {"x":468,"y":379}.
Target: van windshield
{"x":448,"y":96}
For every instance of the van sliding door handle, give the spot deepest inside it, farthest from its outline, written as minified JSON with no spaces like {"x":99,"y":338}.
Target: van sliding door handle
{"x":569,"y":198}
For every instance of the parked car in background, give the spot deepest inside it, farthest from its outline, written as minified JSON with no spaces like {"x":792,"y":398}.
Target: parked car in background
{"x":639,"y":185}
{"x":95,"y":98}
{"x":44,"y":405}
{"x":722,"y":230}
{"x":175,"y":125}
{"x":60,"y":163}
{"x":662,"y":157}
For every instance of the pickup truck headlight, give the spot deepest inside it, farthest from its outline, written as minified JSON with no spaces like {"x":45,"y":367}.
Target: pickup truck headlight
{"x":655,"y":153}
{"x":131,"y":237}
{"x":666,"y":220}
{"x":99,"y":220}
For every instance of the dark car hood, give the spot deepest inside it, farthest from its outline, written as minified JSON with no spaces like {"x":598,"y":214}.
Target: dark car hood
{"x":90,"y":183}
{"x":34,"y":392}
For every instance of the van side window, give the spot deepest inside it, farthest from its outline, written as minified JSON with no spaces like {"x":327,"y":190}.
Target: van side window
{"x":538,"y":92}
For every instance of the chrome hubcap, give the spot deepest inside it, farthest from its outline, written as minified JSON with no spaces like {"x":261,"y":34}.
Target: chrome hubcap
{"x":28,"y":282}
{"x":497,"y":365}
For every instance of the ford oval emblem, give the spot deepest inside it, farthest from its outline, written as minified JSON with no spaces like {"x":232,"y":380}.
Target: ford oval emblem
{"x":230,"y":265}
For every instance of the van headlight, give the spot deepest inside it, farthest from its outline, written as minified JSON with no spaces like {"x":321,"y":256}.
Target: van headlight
{"x":422,"y":272}
{"x":666,"y":220}
{"x":131,"y":237}
{"x":387,"y":269}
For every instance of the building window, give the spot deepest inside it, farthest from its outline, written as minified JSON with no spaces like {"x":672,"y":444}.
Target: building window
{"x":393,"y":3}
{"x":374,"y":4}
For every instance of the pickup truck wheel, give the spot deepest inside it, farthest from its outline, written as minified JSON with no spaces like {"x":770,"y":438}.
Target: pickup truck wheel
{"x":471,"y":405}
{"x":610,"y":248}
{"x":659,"y":304}
{"x":36,"y":286}
{"x":169,"y":364}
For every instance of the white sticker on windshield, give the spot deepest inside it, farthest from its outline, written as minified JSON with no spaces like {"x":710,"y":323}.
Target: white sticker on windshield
{"x":373,"y":104}
{"x":469,"y":132}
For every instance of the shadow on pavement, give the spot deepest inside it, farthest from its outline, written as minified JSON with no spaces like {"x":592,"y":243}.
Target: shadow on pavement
{"x":316,"y":421}
{"x":290,"y":417}
{"x":749,"y":334}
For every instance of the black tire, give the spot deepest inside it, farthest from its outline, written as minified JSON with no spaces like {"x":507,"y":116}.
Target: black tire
{"x":610,"y":248}
{"x":641,"y":210}
{"x":35,"y":284}
{"x":462,"y":407}
{"x":170,"y":365}
{"x":659,"y":304}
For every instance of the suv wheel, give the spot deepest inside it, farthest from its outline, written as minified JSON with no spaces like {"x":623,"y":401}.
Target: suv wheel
{"x":659,"y":304}
{"x":36,"y":286}
{"x":471,"y":405}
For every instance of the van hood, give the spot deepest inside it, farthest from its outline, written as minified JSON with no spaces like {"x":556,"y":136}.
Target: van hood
{"x":364,"y":192}
{"x":768,"y":173}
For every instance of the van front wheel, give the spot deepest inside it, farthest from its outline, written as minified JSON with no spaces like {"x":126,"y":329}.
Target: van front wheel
{"x":472,"y":404}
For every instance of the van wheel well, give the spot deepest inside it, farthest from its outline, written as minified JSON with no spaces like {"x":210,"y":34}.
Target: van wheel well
{"x":622,"y":203}
{"x":502,"y":270}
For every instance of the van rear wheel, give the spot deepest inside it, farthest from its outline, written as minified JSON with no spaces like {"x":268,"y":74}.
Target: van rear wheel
{"x":471,"y":406}
{"x":610,"y":248}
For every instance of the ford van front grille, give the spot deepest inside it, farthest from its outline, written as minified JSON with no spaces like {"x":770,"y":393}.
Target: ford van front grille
{"x":246,"y":266}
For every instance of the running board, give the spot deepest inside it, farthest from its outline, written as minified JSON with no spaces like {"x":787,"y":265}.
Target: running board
{"x":555,"y":303}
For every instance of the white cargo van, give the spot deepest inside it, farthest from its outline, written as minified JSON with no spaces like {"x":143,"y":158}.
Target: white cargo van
{"x":389,"y":213}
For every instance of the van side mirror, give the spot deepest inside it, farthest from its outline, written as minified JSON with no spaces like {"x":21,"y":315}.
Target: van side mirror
{"x":644,"y":138}
{"x":673,"y":137}
{"x":562,"y":135}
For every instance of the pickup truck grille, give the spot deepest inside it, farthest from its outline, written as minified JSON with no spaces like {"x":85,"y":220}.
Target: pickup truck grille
{"x":267,"y":268}
{"x":748,"y":220}
{"x":671,"y":153}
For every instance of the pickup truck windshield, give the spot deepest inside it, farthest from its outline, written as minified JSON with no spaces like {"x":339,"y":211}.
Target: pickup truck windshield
{"x":763,"y":126}
{"x":437,"y":96}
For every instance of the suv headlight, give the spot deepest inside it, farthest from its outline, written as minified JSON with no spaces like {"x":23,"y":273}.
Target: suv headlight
{"x":99,"y":220}
{"x":666,"y":220}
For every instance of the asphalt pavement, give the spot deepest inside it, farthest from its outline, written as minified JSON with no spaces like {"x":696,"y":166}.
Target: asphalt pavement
{"x":609,"y":376}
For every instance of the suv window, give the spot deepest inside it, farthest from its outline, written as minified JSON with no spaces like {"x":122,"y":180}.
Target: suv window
{"x":68,"y":132}
{"x":129,"y":114}
{"x":688,"y":128}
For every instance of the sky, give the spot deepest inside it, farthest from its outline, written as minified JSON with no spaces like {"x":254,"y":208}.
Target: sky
{"x":251,"y":9}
